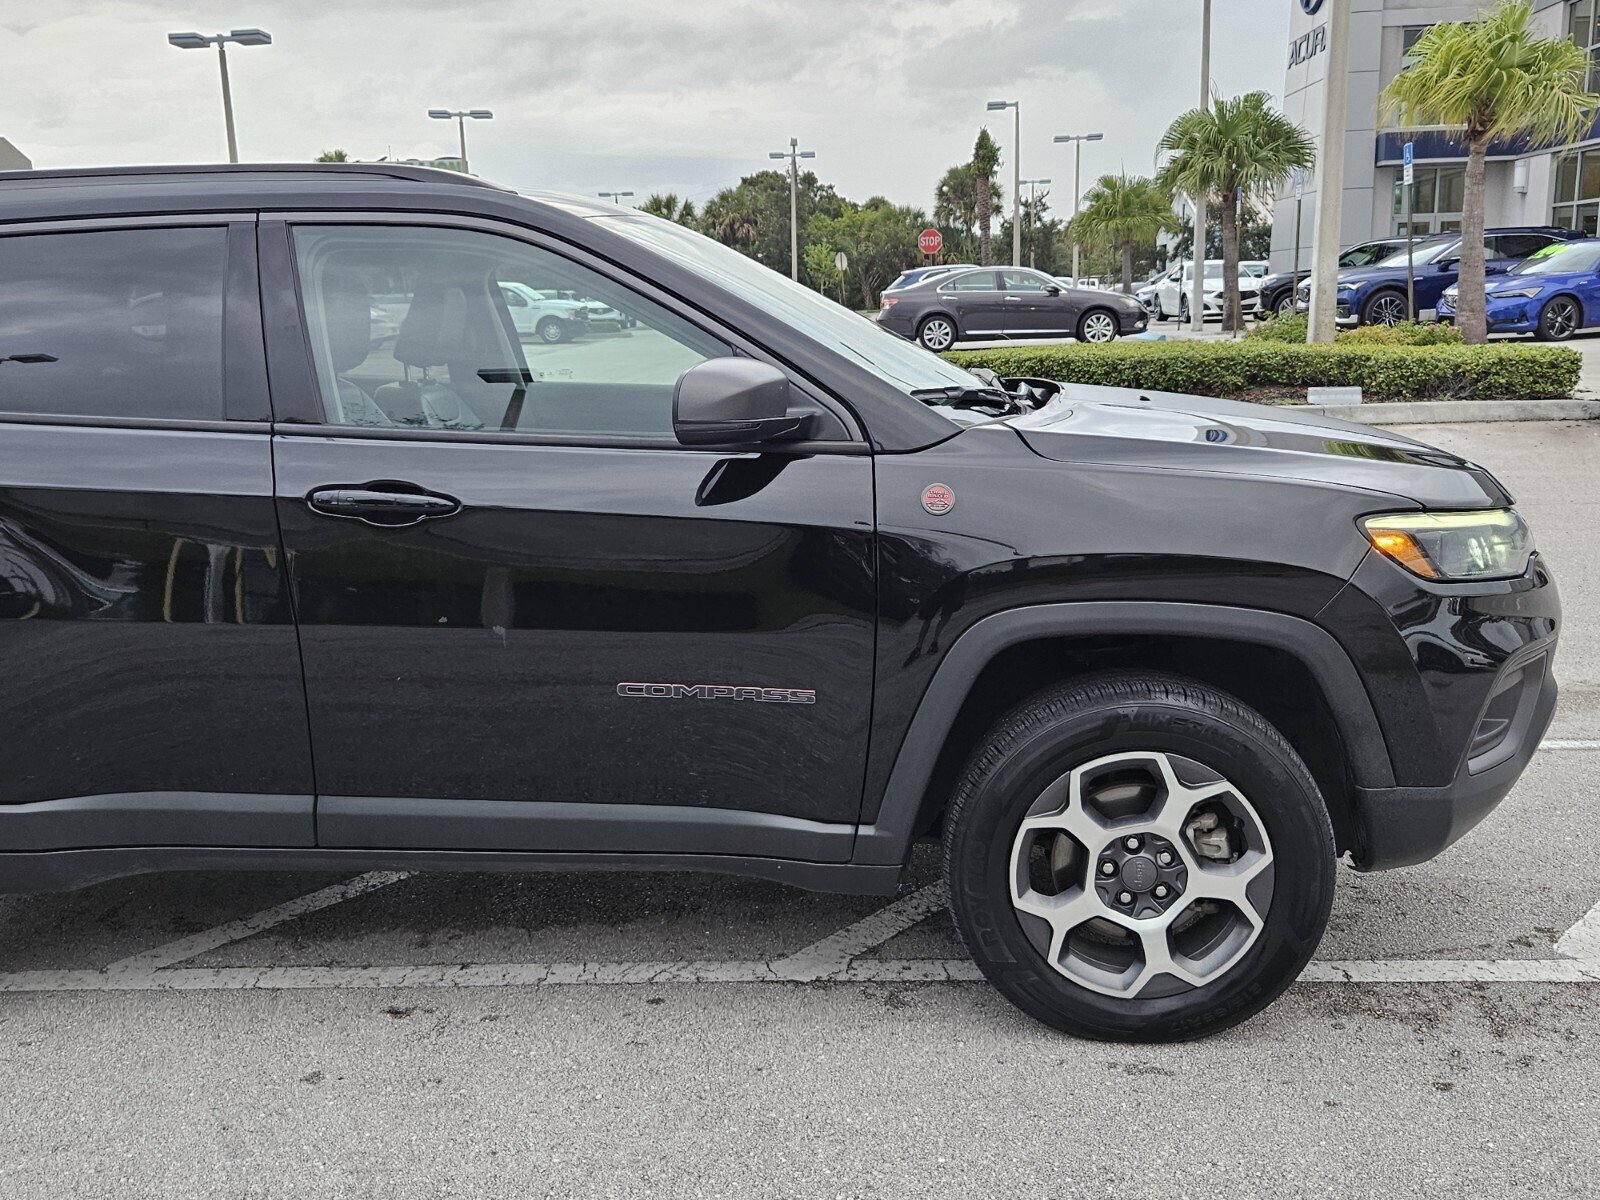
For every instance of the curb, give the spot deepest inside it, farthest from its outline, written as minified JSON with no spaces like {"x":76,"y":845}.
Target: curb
{"x":1453,"y":412}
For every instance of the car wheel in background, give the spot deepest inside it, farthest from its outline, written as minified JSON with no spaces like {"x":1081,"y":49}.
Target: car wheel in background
{"x":1384,"y":308}
{"x":1284,"y":305}
{"x":1161,"y":313}
{"x":1097,"y":325}
{"x":1183,"y":310}
{"x":1559,"y":320}
{"x":1138,"y":857}
{"x":937,"y":333}
{"x":551,"y":330}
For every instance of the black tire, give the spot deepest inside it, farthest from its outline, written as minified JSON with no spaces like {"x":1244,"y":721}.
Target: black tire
{"x":1042,"y":739}
{"x":1183,"y":310}
{"x":1097,"y":325}
{"x":1161,"y":313}
{"x":551,"y":330}
{"x":1386,"y":306}
{"x":1283,"y":306}
{"x":931,"y":333}
{"x":1562,"y":317}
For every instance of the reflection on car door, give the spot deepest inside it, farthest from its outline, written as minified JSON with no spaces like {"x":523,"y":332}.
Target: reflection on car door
{"x":556,"y":629}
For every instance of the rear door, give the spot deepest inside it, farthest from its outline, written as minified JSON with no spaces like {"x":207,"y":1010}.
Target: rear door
{"x":975,"y":298}
{"x":151,"y":679}
{"x":531,"y":620}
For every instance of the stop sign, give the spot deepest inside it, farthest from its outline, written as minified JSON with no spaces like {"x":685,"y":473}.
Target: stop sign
{"x":930,"y":241}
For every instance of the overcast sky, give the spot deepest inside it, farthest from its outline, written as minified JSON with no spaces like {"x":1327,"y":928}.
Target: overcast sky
{"x":641,"y":95}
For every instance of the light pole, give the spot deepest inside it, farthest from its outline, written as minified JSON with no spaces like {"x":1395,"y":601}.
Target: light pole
{"x":1197,"y":293}
{"x":614,"y":197}
{"x":1016,"y":174}
{"x":1077,"y":140}
{"x":1033,"y":186}
{"x":794,"y":154}
{"x":460,"y":117}
{"x":199,"y":41}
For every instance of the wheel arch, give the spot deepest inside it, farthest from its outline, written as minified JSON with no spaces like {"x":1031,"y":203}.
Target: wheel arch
{"x":1089,"y":311}
{"x":1382,"y":289}
{"x":1290,"y":670}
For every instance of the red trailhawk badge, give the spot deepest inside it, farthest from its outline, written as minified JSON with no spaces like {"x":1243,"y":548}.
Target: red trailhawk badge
{"x":938,"y":499}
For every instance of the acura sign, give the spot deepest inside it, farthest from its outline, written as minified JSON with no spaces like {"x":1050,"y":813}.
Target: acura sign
{"x":1310,"y":7}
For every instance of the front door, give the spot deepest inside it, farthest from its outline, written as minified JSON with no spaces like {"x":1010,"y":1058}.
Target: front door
{"x":532,"y":621}
{"x":1030,"y":307}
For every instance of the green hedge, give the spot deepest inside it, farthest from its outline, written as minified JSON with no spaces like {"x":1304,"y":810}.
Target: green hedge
{"x":1276,"y":372}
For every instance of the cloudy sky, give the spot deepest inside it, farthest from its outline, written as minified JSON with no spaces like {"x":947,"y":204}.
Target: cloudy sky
{"x":641,"y":95}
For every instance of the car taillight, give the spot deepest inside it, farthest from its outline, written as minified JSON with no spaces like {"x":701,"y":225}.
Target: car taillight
{"x":889,"y":302}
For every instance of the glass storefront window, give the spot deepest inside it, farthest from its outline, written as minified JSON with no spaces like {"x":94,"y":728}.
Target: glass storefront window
{"x":1577,"y":190}
{"x":1436,"y":200}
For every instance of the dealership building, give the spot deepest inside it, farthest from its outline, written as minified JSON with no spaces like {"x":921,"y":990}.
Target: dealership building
{"x":1522,"y":186}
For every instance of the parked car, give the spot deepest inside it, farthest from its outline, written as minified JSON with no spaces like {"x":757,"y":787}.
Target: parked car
{"x":1277,"y":290}
{"x":1087,"y":283}
{"x":1172,"y":290}
{"x":1552,"y":295}
{"x":789,"y":597}
{"x":1376,"y":295}
{"x":600,"y":313}
{"x":1005,"y":302}
{"x":917,"y":274}
{"x":542,"y":314}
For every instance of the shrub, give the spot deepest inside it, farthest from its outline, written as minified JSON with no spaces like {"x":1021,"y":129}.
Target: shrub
{"x":1276,"y":372}
{"x":1289,"y":327}
{"x":1292,"y":327}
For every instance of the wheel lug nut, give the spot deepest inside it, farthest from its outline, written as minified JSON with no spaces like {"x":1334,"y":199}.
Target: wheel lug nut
{"x":1124,"y":897}
{"x":1131,"y":843}
{"x":1165,"y":858}
{"x":1108,"y":867}
{"x":1161,"y":891}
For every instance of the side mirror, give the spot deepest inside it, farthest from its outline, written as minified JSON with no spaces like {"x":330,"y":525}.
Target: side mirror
{"x":1496,"y":268}
{"x":1052,"y":290}
{"x":732,"y":402}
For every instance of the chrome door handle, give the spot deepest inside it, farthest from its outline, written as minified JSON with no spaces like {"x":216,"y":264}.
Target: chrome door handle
{"x":391,"y":503}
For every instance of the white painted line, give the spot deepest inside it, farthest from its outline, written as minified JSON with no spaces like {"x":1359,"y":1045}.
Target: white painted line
{"x":1582,"y":941}
{"x":833,"y":953}
{"x":233,"y":931}
{"x":1570,"y":744}
{"x":1504,"y":970}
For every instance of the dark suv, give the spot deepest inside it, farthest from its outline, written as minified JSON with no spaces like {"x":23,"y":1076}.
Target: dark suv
{"x":291,"y":581}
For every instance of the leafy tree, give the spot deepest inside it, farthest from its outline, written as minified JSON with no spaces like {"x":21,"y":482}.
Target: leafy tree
{"x":1232,"y":148}
{"x":332,"y":156}
{"x":1042,"y":235}
{"x":668,"y":205}
{"x":1124,"y":211}
{"x":955,"y":211}
{"x":985,"y":161}
{"x":754,"y":215}
{"x":1498,"y":81}
{"x":879,"y":238}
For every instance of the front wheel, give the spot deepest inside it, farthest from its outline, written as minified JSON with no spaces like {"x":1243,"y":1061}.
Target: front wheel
{"x":937,"y":333}
{"x":1161,"y":313}
{"x":1559,"y":320}
{"x":1138,"y":857}
{"x":1285,"y":305}
{"x":551,"y":331}
{"x":1183,"y":310}
{"x":1097,"y":325}
{"x":1386,"y":308}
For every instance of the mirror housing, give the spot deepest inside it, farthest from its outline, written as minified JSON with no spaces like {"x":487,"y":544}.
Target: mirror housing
{"x":732,"y":402}
{"x":1052,"y":290}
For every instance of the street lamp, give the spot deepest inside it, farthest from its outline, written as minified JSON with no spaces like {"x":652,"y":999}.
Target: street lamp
{"x":1016,"y":174}
{"x":1033,"y":186}
{"x":199,"y":41}
{"x":614,"y":197}
{"x":1078,"y":139}
{"x":794,"y":154}
{"x":460,"y":116}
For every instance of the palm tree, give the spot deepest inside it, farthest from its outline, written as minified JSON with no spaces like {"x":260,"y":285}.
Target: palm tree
{"x":1231,"y":153}
{"x":332,"y":156}
{"x":1124,"y":211}
{"x":1497,"y":81}
{"x":985,"y":160}
{"x":669,"y":206}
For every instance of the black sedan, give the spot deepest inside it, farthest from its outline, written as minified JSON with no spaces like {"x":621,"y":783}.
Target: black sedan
{"x":1006,"y":302}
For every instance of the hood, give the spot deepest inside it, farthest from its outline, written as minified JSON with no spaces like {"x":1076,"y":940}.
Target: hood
{"x":1196,"y":433}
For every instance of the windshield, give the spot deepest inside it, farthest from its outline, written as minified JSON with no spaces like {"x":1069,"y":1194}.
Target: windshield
{"x":1424,"y":252}
{"x":1213,"y":269}
{"x":896,"y":361}
{"x":1574,"y":258}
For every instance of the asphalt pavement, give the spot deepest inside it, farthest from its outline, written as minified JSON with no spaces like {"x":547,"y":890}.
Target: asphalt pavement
{"x":618,"y":1036}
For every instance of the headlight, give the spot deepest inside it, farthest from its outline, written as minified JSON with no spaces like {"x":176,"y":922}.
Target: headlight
{"x":1454,"y":546}
{"x":1356,"y":286}
{"x":1525,"y":293}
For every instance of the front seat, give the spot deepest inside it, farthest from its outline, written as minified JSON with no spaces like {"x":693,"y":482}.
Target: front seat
{"x":347,"y":314}
{"x":435,"y":333}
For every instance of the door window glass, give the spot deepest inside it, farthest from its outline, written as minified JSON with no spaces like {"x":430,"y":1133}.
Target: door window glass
{"x":1022,"y":281}
{"x":113,"y":323}
{"x":429,"y":328}
{"x":972,"y":281}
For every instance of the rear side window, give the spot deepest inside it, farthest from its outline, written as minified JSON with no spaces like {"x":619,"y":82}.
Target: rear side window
{"x":1517,"y":245}
{"x":972,"y":281}
{"x":113,"y":323}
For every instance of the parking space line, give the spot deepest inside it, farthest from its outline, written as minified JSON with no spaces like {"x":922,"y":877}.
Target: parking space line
{"x":1582,"y":941}
{"x":185,"y":948}
{"x":1570,"y":744}
{"x":834,"y":953}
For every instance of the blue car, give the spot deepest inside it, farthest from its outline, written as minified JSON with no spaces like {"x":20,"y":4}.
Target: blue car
{"x":1551,"y":296}
{"x":1376,"y":295}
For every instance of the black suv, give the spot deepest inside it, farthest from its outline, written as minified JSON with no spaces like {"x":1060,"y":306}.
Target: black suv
{"x":311,"y":559}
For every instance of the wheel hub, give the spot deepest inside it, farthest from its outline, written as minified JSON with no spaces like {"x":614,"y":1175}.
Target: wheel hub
{"x":1140,"y":874}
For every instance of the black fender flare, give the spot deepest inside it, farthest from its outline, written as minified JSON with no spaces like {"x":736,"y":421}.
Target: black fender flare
{"x":888,"y":839}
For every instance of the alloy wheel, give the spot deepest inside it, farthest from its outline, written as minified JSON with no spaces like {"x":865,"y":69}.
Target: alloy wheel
{"x":1098,"y":327}
{"x":1142,"y":874}
{"x":938,"y":333}
{"x":1389,"y":308}
{"x":1560,"y":319}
